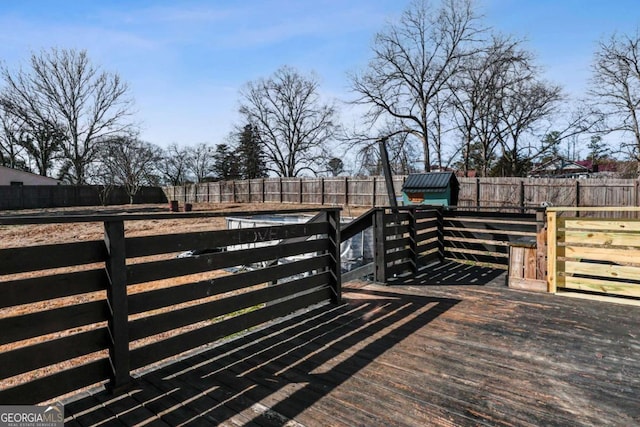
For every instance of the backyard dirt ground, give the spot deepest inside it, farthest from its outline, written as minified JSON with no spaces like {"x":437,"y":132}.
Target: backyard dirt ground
{"x":29,"y":235}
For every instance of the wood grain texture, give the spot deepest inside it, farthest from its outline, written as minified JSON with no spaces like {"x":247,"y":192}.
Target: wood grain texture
{"x":437,"y":356}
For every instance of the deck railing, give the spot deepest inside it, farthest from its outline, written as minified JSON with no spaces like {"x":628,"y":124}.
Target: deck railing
{"x":595,"y":250}
{"x":78,"y":314}
{"x":124,"y":303}
{"x":409,"y":237}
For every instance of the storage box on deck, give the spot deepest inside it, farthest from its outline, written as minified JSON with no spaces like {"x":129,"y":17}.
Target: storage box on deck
{"x":523,"y":269}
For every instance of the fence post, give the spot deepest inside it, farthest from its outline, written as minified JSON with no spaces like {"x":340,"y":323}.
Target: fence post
{"x":522,"y":196}
{"x":380,"y":273}
{"x":346,"y":191}
{"x":280,"y":189}
{"x":263,"y":191}
{"x":552,"y":247}
{"x":333,"y":218}
{"x":577,"y":196}
{"x":322,"y":191}
{"x":300,"y":190}
{"x":118,"y":305}
{"x":373,"y":192}
{"x":477,"y":194}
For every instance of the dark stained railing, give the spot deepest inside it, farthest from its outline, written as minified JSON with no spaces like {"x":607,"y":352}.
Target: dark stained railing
{"x":112,"y":313}
{"x":124,"y":303}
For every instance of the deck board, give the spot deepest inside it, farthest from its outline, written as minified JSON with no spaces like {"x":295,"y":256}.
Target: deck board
{"x":446,"y":355}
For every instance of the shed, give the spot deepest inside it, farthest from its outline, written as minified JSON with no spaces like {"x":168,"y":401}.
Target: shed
{"x":432,"y":188}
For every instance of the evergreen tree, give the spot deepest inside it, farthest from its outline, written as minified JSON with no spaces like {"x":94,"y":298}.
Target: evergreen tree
{"x":252,"y":164}
{"x":598,"y":150}
{"x":226,"y":166}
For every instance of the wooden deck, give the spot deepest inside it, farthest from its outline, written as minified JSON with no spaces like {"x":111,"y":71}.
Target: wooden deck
{"x":404,"y":355}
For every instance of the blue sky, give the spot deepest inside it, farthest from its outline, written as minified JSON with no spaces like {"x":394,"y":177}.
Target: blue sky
{"x":185,"y":61}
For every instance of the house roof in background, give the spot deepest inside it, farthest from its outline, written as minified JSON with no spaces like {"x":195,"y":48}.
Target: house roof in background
{"x":9,"y":174}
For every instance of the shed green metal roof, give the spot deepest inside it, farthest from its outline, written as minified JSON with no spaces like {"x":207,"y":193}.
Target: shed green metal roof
{"x":430,"y":182}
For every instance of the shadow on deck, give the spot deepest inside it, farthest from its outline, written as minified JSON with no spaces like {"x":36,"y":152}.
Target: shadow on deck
{"x":452,"y":273}
{"x":293,"y":369}
{"x":410,"y":355}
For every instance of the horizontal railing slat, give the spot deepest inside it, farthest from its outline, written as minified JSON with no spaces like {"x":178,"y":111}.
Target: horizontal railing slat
{"x":44,"y":288}
{"x":398,"y":255}
{"x":392,"y":230}
{"x":397,"y":243}
{"x":358,"y":225}
{"x":396,"y":217}
{"x":427,"y":224}
{"x":178,"y":344}
{"x":51,"y":386}
{"x":45,"y":322}
{"x":36,"y":356}
{"x":151,"y":325}
{"x":600,"y":253}
{"x":158,"y":270}
{"x":482,"y":258}
{"x":478,"y":245}
{"x":490,"y":215}
{"x":420,"y":214}
{"x":493,"y":227}
{"x":152,"y":245}
{"x":421,"y":237}
{"x":159,"y":298}
{"x":427,"y":246}
{"x":34,"y":258}
{"x":601,"y":286}
{"x":501,"y":235}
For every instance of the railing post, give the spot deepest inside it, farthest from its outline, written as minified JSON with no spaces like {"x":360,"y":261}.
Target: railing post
{"x":440,"y":221}
{"x":541,"y":244}
{"x":380,"y":273}
{"x":118,"y":305}
{"x":413,"y":239}
{"x":552,"y":246}
{"x":333,"y":218}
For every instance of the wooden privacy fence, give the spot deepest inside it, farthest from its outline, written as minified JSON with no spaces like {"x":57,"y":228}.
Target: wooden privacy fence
{"x":54,"y":196}
{"x":371,"y":191}
{"x":109,"y":313}
{"x":367,"y":191}
{"x":591,"y":254}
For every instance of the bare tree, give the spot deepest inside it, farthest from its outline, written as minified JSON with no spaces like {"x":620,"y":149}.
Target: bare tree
{"x":11,"y":152}
{"x":64,"y":88}
{"x":129,"y":162}
{"x":173,"y":166}
{"x":413,"y":61}
{"x":402,"y":156}
{"x":292,"y":122}
{"x":200,"y":161}
{"x":615,"y":85}
{"x":497,"y":98}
